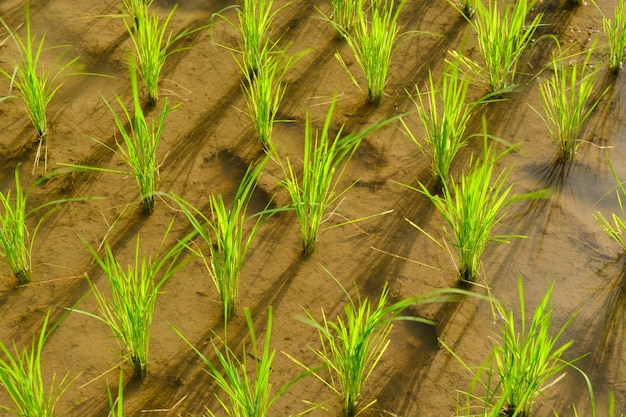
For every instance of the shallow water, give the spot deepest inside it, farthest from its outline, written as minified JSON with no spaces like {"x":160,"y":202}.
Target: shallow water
{"x":206,"y":147}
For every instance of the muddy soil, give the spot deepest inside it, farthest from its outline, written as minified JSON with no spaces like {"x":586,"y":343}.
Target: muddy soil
{"x":207,"y":144}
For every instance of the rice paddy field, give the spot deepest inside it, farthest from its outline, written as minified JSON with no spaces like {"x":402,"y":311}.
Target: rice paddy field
{"x":207,"y":143}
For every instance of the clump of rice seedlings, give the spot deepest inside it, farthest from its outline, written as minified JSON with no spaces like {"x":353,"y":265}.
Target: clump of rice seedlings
{"x":344,"y":15}
{"x":502,"y":39}
{"x":129,"y":309}
{"x":353,"y":344}
{"x":444,"y":127}
{"x":567,"y":102}
{"x":265,"y":91}
{"x":617,"y":229}
{"x":615,"y":32}
{"x":35,"y":83}
{"x":16,"y":241}
{"x":525,"y":362}
{"x":227,"y":236}
{"x":140,"y":143}
{"x":325,"y":159}
{"x":255,"y":20}
{"x":247,"y":386}
{"x":529,"y":358}
{"x":152,"y":47}
{"x":474,"y":207}
{"x":372,"y":43}
{"x":22,"y":378}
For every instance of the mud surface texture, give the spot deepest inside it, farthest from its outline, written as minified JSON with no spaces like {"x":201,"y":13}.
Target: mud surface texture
{"x":207,"y":145}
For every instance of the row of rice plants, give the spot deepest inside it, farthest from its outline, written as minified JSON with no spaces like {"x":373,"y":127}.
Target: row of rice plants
{"x":254,"y":20}
{"x":38,"y":86}
{"x":502,"y":39}
{"x":527,"y":361}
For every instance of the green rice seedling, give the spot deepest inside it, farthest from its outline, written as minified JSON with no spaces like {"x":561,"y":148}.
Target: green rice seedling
{"x":567,"y":102}
{"x":129,"y":309}
{"x":615,"y":31}
{"x":16,"y":241}
{"x":474,"y":207}
{"x":525,"y":361}
{"x":502,"y":39}
{"x":353,"y":345}
{"x":255,"y":20}
{"x":265,"y":91}
{"x":36,"y":84}
{"x":227,"y":237}
{"x":344,"y":15}
{"x":247,"y":386}
{"x":444,"y":126}
{"x":22,"y":377}
{"x":616,"y":230}
{"x":324,"y":162}
{"x":140,"y":142}
{"x":529,"y":359}
{"x":153,"y":45}
{"x":372,"y":43}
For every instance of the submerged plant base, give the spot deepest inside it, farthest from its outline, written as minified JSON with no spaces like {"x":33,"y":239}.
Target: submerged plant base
{"x":140,"y":368}
{"x":466,"y":278}
{"x":374,"y":97}
{"x":308,"y":248}
{"x":148,"y":204}
{"x":228,"y":310}
{"x":23,"y":276}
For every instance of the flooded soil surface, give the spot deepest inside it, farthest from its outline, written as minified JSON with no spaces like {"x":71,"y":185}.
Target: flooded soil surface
{"x":207,"y":145}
